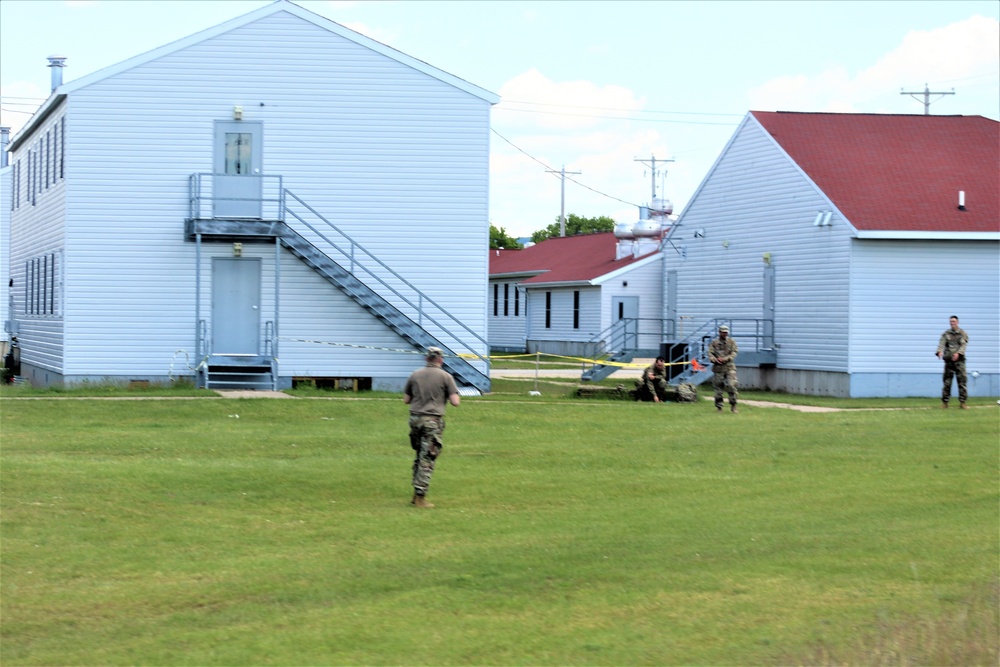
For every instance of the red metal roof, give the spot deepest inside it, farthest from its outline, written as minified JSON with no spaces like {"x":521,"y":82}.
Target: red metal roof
{"x":562,"y":259}
{"x":898,"y":172}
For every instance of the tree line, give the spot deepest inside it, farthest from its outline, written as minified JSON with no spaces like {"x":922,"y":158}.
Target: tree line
{"x":575,"y":224}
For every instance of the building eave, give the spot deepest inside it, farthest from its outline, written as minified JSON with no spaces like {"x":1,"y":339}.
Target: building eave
{"x":927,"y":236}
{"x":47,"y":109}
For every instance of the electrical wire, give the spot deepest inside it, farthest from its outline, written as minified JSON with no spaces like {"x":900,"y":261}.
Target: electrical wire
{"x":557,"y":173}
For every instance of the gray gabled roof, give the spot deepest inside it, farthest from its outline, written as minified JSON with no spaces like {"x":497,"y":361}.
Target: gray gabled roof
{"x":275,"y":7}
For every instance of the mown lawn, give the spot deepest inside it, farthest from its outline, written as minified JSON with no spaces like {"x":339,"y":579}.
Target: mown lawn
{"x":567,"y":532}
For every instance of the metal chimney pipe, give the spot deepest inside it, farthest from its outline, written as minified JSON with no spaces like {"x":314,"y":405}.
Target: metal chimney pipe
{"x":4,"y":141}
{"x":56,"y":63}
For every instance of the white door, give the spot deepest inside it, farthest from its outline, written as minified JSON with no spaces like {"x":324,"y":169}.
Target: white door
{"x":625,"y":316}
{"x":237,"y":180}
{"x":235,"y":305}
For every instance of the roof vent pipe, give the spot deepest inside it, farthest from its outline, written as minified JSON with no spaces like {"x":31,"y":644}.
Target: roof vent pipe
{"x":56,"y":63}
{"x":961,"y":200}
{"x":4,"y":141}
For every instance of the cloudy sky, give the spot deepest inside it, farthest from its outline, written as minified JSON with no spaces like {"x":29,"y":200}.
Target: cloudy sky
{"x":598,"y":88}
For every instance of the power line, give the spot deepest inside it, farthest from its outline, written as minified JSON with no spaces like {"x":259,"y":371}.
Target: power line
{"x":26,"y":113}
{"x":581,"y":106}
{"x":644,"y":120}
{"x":548,"y":168}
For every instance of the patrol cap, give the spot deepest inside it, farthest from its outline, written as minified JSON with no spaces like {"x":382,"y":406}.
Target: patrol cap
{"x":723,"y":328}
{"x":434,"y":353}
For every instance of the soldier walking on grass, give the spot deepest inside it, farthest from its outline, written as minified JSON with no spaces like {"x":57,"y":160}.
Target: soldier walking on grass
{"x":427,"y":392}
{"x":951,"y":349}
{"x":722,"y":353}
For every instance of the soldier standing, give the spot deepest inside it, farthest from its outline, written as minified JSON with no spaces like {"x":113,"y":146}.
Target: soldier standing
{"x":427,"y":392}
{"x":951,"y":349}
{"x":722,"y":353}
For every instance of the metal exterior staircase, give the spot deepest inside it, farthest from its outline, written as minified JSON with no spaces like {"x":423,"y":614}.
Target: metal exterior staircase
{"x":415,"y":334}
{"x":347,"y":265}
{"x":238,"y":372}
{"x":620,"y":342}
{"x":752,"y":335}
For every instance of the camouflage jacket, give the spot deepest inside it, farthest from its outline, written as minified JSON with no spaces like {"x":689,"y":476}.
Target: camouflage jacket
{"x":651,"y":376}
{"x":725,"y":351}
{"x":952,"y":342}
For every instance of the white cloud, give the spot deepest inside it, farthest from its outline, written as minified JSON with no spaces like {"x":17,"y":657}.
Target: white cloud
{"x":560,"y":105}
{"x":524,"y":198}
{"x":943,"y":58}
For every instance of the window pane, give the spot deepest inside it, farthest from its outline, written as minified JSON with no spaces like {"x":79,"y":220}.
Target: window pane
{"x":238,"y":150}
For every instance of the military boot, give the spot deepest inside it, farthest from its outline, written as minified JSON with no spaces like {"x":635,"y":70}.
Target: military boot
{"x":421,"y":501}
{"x":963,"y":406}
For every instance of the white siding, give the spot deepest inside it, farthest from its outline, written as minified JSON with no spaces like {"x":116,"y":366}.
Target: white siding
{"x":5,"y":203}
{"x":902,"y":294}
{"x":757,"y":201}
{"x":644,"y":282}
{"x":508,"y":326}
{"x":37,"y":230}
{"x":561,"y":320}
{"x":396,"y":158}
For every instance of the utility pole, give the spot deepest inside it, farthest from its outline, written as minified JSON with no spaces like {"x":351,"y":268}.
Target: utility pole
{"x":926,"y":95}
{"x":652,"y":165}
{"x":562,"y":197}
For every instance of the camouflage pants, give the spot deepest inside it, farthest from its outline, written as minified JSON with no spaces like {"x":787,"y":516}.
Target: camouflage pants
{"x":725,"y":381}
{"x":954,"y":369}
{"x":425,"y":439}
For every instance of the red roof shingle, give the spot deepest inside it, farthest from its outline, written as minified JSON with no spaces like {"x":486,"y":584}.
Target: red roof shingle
{"x":562,"y":259}
{"x":898,"y":172}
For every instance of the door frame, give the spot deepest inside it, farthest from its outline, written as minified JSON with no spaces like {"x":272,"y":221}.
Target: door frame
{"x":237,"y":195}
{"x":236,"y":305}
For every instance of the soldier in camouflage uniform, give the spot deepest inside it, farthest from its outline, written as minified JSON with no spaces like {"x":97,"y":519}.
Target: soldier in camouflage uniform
{"x":653,"y":386}
{"x":951,"y":349}
{"x":427,"y":392}
{"x":722,"y":353}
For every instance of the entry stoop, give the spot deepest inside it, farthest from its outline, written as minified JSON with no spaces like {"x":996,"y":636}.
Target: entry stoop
{"x":239,"y":372}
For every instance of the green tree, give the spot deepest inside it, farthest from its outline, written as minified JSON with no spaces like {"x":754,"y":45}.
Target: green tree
{"x":576,"y":224}
{"x":499,"y":239}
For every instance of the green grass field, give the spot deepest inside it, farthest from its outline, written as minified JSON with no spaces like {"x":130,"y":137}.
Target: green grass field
{"x":567,"y":532}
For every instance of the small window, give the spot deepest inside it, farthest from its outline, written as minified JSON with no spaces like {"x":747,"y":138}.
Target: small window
{"x":548,"y":310}
{"x":576,"y":309}
{"x":40,"y":285}
{"x":496,"y":299}
{"x":238,"y":151}
{"x":506,"y":299}
{"x":62,"y":147}
{"x":517,"y":301}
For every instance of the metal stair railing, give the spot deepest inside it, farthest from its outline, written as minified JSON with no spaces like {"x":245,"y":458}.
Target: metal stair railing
{"x":202,"y":197}
{"x":622,"y":342}
{"x":399,"y":297}
{"x":754,"y":336}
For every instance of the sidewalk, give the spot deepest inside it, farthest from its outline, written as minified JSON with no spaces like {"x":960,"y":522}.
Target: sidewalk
{"x":575,"y":373}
